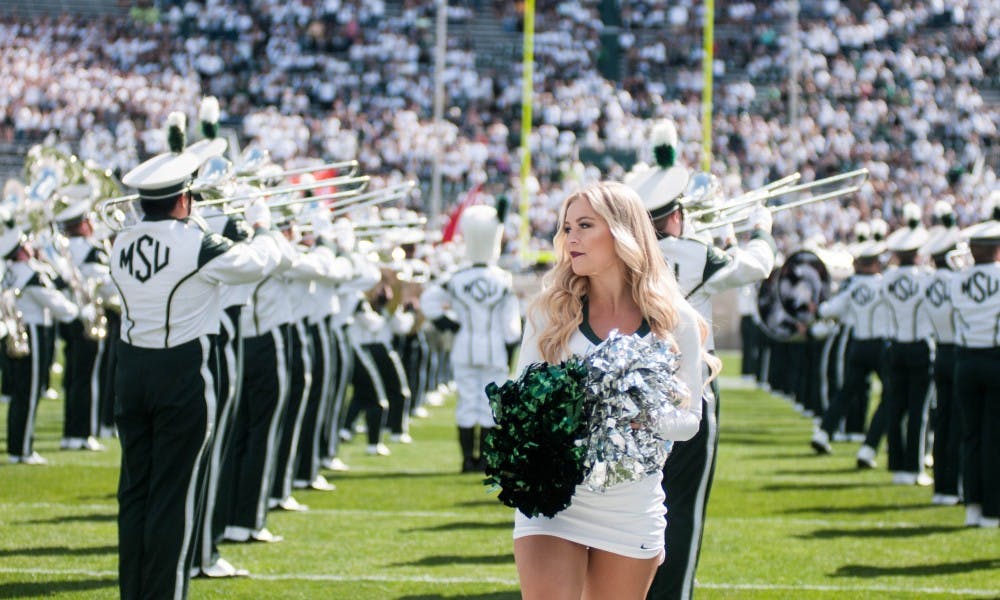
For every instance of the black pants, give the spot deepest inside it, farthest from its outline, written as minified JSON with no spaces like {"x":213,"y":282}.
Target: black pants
{"x":687,"y":483}
{"x":749,"y":334}
{"x":864,"y":357}
{"x":300,"y":382}
{"x":166,"y":405}
{"x":317,"y":403}
{"x":343,"y":358}
{"x":81,"y":381}
{"x":977,"y":388}
{"x":26,"y":380}
{"x":414,"y":353}
{"x":947,"y":423}
{"x":370,"y":394}
{"x":909,"y":379}
{"x":109,"y":364}
{"x":255,"y":429}
{"x":218,"y":478}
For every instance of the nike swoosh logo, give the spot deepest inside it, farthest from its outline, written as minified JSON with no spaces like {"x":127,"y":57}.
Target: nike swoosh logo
{"x":643,"y":547}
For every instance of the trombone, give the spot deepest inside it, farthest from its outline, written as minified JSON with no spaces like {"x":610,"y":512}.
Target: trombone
{"x":355,"y":199}
{"x":781,"y":188}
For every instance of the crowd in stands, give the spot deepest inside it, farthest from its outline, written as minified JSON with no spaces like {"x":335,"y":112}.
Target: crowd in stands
{"x":893,"y":86}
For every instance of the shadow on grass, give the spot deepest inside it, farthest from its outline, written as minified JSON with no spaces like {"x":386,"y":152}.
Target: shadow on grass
{"x":490,"y":501}
{"x":486,"y":596}
{"x":444,"y":560}
{"x":93,"y":517}
{"x":464,"y":525}
{"x":802,"y":486}
{"x":914,"y":570}
{"x":108,"y":496}
{"x":859,"y":510}
{"x":57,"y":551}
{"x":398,"y":475}
{"x":34,"y":589}
{"x":879,"y":532}
{"x":817,"y":470}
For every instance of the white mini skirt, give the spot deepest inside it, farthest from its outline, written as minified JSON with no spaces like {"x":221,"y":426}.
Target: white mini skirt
{"x":627,"y":519}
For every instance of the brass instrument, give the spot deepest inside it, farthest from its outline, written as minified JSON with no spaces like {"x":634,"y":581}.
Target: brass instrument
{"x":728,"y":213}
{"x":16,"y":342}
{"x":95,"y":321}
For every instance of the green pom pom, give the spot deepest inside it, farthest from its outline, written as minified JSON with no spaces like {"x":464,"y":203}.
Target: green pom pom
{"x":176,"y":139}
{"x":533,"y":455}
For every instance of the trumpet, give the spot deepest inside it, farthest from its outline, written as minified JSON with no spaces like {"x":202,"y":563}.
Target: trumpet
{"x":781,"y":188}
{"x":354,"y":200}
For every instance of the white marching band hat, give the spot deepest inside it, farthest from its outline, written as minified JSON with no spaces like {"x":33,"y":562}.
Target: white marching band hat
{"x":944,"y":236}
{"x":73,"y":202}
{"x":481,"y":230}
{"x":164,"y":176}
{"x":662,"y":185}
{"x":912,"y":235}
{"x":873,"y":245}
{"x":987,"y":232}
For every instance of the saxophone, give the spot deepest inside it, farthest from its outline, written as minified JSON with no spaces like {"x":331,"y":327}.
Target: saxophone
{"x":16,"y":342}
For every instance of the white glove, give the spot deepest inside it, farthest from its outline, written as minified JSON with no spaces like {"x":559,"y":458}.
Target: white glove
{"x":321,"y":225}
{"x":88,"y":313}
{"x":258,"y":214}
{"x":725,"y":233}
{"x":760,"y":218}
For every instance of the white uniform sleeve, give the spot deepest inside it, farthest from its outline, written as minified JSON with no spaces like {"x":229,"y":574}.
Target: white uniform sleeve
{"x":401,"y":322}
{"x":433,"y":301}
{"x":752,"y":263}
{"x":529,"y":348}
{"x":232,"y":264}
{"x":690,"y":370}
{"x":836,"y":307}
{"x":511,"y":319}
{"x":59,"y":306}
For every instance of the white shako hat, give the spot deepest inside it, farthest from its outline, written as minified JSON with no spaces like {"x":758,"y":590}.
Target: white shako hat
{"x":72,"y":203}
{"x":944,"y":236}
{"x":874,"y":246}
{"x":912,"y":235}
{"x":481,"y":230}
{"x":987,"y":232}
{"x":661,"y":185}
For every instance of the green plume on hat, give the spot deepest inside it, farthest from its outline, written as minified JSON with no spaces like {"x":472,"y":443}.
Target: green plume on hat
{"x":176,"y":131}
{"x":664,"y":141}
{"x":208,"y":115}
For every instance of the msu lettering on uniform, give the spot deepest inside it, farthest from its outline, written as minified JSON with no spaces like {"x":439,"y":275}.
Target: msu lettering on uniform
{"x":151,"y":257}
{"x":862,"y":295}
{"x":481,"y":289}
{"x":903,"y":288}
{"x":980,"y":286}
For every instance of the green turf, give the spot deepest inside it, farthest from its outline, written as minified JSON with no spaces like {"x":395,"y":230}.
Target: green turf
{"x":782,"y":523}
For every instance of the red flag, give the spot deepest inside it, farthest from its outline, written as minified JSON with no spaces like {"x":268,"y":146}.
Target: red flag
{"x":452,"y":225}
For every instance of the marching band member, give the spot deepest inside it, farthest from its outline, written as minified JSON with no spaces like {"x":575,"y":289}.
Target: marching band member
{"x":855,"y":306}
{"x":477,"y":301}
{"x":264,"y":393}
{"x":40,"y":302}
{"x":910,"y":353}
{"x":83,"y":377}
{"x":170,"y":272}
{"x":975,"y":293}
{"x":937,"y":309}
{"x":324,"y":303}
{"x":702,"y":270}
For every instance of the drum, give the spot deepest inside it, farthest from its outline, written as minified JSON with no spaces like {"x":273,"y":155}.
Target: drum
{"x":788,"y":300}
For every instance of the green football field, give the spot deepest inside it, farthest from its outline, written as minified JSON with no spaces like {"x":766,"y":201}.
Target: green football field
{"x":782,"y":523}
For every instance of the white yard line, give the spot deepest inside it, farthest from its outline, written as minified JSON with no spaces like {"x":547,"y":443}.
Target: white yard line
{"x":513,"y":582}
{"x":431,"y":514}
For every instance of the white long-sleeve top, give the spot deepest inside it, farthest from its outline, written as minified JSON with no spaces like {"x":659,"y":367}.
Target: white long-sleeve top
{"x":39,"y":302}
{"x":170,"y":274}
{"x":937,"y":307}
{"x":365,"y":274}
{"x":975,"y":293}
{"x":685,"y":423}
{"x":903,"y":293}
{"x":703,"y":270}
{"x":857,"y":304}
{"x":481,"y":299}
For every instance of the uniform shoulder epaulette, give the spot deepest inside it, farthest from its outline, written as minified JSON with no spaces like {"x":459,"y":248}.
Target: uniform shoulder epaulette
{"x":97,"y":255}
